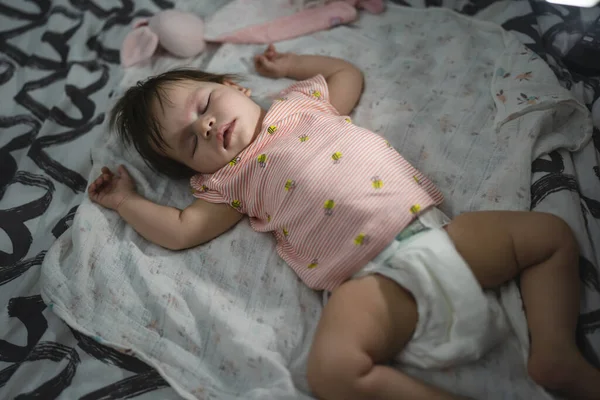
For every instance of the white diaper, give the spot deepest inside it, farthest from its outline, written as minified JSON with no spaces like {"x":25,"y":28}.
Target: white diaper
{"x":458,"y":321}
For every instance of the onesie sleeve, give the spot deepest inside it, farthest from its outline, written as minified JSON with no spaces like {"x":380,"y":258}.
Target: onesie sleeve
{"x":200,"y":190}
{"x":314,"y":89}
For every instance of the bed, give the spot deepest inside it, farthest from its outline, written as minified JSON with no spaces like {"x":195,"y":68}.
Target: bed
{"x":59,"y":72}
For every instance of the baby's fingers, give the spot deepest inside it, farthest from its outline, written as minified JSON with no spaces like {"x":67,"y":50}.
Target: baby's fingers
{"x":99,"y":182}
{"x":106,"y":170}
{"x":263,"y":63}
{"x":105,"y":176}
{"x":123,"y":172}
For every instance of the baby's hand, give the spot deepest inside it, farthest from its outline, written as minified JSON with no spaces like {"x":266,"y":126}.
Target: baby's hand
{"x":110,"y":190}
{"x":273,"y":64}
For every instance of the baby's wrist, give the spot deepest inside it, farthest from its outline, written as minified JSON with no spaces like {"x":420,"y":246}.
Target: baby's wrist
{"x":293,"y":61}
{"x":127,"y":198}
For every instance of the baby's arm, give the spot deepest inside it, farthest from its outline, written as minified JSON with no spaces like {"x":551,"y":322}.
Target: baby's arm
{"x":344,"y":80}
{"x":178,"y":229}
{"x":168,"y":227}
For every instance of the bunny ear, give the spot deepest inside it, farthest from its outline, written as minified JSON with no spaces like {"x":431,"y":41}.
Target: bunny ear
{"x":138,"y":45}
{"x":141,"y":22}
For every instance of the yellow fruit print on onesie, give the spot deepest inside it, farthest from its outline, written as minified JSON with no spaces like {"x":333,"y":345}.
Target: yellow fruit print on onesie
{"x":376,"y":182}
{"x":314,"y":264}
{"x":336,"y":157}
{"x":272,"y":129}
{"x":348,"y":120}
{"x":262,"y":160}
{"x":285,"y":232}
{"x":202,"y":189}
{"x":329,"y":205}
{"x":234,"y":161}
{"x":236,"y":204}
{"x":415,"y":209}
{"x":316,"y":94}
{"x":290,"y":184}
{"x":303,"y":138}
{"x":361,"y":239}
{"x":416,"y":178}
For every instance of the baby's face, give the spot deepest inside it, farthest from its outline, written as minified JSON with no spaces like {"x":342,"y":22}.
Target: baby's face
{"x":206,"y":125}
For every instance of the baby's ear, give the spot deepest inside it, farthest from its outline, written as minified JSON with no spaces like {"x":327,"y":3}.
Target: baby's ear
{"x":234,"y":85}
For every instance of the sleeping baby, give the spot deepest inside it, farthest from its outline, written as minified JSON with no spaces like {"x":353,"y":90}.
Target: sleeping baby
{"x":354,"y":219}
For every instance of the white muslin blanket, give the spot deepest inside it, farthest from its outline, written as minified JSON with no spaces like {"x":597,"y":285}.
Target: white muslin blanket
{"x":461,"y":99}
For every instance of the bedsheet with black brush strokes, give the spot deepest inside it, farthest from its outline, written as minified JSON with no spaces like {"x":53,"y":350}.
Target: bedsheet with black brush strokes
{"x":58,"y":67}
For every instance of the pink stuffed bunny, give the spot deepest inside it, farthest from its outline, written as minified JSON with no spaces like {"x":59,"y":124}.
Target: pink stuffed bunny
{"x":182,"y":34}
{"x":179,"y":33}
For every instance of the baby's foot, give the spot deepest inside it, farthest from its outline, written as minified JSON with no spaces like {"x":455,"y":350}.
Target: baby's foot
{"x":565,"y":372}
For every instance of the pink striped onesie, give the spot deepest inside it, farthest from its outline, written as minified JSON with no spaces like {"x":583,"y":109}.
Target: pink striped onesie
{"x":333,"y":194}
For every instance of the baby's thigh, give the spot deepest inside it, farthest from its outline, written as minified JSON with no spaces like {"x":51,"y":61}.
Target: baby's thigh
{"x":369,"y":319}
{"x":498,"y":245}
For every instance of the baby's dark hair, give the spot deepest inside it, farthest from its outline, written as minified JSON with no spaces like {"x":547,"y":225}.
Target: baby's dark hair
{"x":135,"y":122}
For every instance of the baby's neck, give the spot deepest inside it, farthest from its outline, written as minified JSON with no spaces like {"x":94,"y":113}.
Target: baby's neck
{"x":259,"y":125}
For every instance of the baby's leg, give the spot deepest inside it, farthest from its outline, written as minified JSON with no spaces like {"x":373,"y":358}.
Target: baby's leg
{"x":500,"y":245}
{"x":366,"y":322}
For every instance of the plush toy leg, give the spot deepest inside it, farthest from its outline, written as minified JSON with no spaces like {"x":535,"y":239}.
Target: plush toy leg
{"x":301,"y":23}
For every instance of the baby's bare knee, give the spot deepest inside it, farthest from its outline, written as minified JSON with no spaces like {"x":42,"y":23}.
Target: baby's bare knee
{"x":338,"y":373}
{"x":560,"y":233}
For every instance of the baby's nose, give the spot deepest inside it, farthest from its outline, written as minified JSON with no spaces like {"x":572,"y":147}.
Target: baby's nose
{"x":207,"y":124}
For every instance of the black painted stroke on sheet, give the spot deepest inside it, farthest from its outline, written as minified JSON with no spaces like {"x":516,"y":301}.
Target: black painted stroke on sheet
{"x":164,"y":4}
{"x":37,"y":19}
{"x":36,"y":108}
{"x":28,"y":310}
{"x":43,"y":5}
{"x":8,"y":166}
{"x":592,"y":205}
{"x":102,"y":13}
{"x":146,"y":380}
{"x":590,"y":322}
{"x":527,"y":25}
{"x":7,"y":71}
{"x":555,"y":164}
{"x":13,"y":271}
{"x":109,"y":355}
{"x":112,"y":55}
{"x":588,"y":325}
{"x":58,"y":40}
{"x":589,"y":274}
{"x":56,"y":170}
{"x":551,"y":183}
{"x":556,"y":181}
{"x":129,"y":387}
{"x":80,"y":98}
{"x":6,"y":373}
{"x":63,"y":224}
{"x":53,"y":387}
{"x":583,"y":341}
{"x":12,"y":220}
{"x":473,"y":7}
{"x":24,"y":140}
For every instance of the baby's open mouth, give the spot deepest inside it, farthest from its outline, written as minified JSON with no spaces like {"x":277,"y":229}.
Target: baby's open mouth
{"x":227,"y":134}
